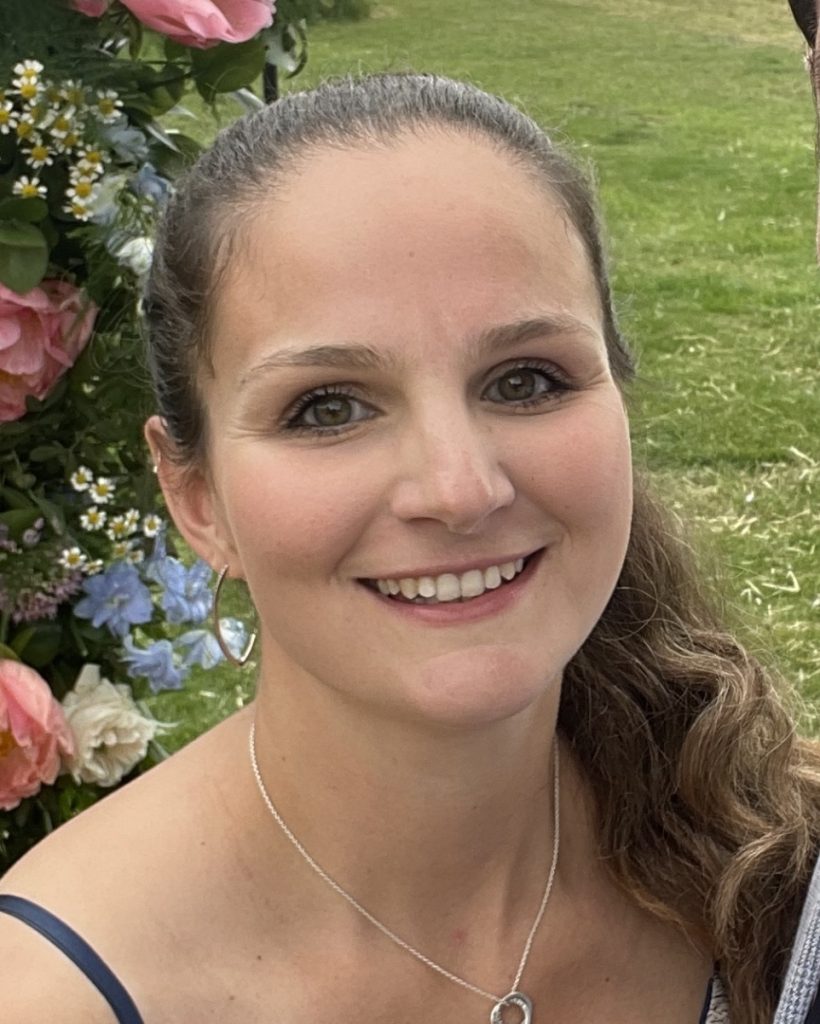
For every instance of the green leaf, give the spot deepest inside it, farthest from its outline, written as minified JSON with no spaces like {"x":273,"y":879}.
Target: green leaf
{"x":23,"y":255}
{"x":17,"y":208}
{"x":44,"y":452}
{"x":19,"y":520}
{"x":39,"y":643}
{"x":7,"y":652}
{"x":227,"y":67}
{"x":14,"y":499}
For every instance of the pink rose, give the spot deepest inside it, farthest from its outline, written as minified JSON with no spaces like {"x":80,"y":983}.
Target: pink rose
{"x":202,"y":23}
{"x":93,"y":8}
{"x":41,"y":334}
{"x":34,"y":733}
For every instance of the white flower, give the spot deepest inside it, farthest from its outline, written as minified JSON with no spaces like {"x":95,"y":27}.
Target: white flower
{"x":27,"y":88}
{"x":93,"y":567}
{"x":108,"y":106}
{"x":151,"y":524}
{"x":72,"y":558}
{"x":28,"y":69}
{"x":102,"y":490}
{"x":93,"y":519}
{"x":61,"y":123}
{"x":79,"y":211}
{"x":135,"y":556}
{"x":82,"y":478}
{"x":136,"y":254}
{"x":29,"y":188}
{"x":8,"y":119}
{"x":39,"y":155}
{"x":120,"y":527}
{"x":25,"y":126}
{"x":73,"y":92}
{"x":121,"y":549}
{"x":132,"y":519}
{"x":111,"y":735}
{"x":91,"y":162}
{"x":82,"y":189}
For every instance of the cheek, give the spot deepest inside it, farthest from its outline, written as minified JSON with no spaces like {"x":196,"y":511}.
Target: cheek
{"x":294,"y":514}
{"x":580,"y":468}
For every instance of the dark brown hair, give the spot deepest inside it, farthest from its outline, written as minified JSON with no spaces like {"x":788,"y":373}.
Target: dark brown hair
{"x":707,"y":800}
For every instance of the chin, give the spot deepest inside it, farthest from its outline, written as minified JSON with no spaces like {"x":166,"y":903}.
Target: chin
{"x":491,"y":684}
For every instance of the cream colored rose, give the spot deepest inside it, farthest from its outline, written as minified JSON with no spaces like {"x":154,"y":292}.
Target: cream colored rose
{"x":110,"y":733}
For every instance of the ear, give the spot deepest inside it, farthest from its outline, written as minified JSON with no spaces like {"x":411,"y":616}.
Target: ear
{"x":190,"y":498}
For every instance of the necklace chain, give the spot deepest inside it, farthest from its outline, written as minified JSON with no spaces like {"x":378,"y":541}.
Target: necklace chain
{"x":382,"y":927}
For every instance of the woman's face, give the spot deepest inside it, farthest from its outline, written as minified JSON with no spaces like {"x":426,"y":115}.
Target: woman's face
{"x":410,"y":380}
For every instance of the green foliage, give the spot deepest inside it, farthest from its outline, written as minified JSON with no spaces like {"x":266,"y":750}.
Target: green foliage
{"x":23,"y":255}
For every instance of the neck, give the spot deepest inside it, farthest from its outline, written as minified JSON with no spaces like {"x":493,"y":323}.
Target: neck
{"x":416,"y":820}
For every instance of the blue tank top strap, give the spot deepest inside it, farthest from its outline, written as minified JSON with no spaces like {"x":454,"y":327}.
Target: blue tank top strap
{"x":76,"y":949}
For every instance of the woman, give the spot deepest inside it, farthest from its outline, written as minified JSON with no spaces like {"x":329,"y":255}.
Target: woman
{"x":504,"y":761}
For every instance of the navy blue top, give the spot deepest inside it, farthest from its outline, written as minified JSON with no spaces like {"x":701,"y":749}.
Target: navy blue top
{"x":75,"y":949}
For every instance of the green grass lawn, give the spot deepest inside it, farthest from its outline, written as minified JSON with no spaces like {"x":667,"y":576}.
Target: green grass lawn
{"x":700,"y":126}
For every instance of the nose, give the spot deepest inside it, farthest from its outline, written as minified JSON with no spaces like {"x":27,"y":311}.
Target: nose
{"x":449,"y":470}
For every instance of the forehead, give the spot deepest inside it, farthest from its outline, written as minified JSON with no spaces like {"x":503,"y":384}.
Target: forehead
{"x":433,"y":236}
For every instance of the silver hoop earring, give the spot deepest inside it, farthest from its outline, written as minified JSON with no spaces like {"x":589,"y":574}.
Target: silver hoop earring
{"x":232,"y":658}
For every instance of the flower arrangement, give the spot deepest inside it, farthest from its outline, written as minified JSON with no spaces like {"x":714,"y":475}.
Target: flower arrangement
{"x":97,"y":608}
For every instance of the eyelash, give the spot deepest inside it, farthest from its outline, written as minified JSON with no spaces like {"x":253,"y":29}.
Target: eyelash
{"x":560,"y":385}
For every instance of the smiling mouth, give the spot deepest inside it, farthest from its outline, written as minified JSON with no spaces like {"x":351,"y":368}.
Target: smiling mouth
{"x":450,"y":588}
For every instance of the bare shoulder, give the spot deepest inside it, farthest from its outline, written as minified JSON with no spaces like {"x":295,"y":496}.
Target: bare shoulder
{"x":127,"y":875}
{"x":37,"y":978}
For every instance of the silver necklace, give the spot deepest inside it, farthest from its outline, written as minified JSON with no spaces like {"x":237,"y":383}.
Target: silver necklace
{"x":515,"y":997}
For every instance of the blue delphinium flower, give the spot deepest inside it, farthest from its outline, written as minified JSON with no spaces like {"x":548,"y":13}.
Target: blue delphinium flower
{"x":116,"y":598}
{"x":150,"y":185}
{"x":234,"y":634}
{"x":199,"y":647}
{"x":152,"y":566}
{"x":187,"y":596}
{"x":128,"y":142}
{"x":154,"y":663}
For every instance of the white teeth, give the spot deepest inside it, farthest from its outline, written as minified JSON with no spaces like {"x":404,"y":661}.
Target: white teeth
{"x":472,"y":583}
{"x":492,"y":577}
{"x":448,"y":586}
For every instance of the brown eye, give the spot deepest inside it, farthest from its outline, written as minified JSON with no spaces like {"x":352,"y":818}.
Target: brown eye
{"x":326,"y":411}
{"x":517,"y":385}
{"x":527,"y":385}
{"x":331,"y":412}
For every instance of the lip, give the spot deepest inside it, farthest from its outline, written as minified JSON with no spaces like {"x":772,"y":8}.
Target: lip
{"x":456,"y":570}
{"x":451,"y":613}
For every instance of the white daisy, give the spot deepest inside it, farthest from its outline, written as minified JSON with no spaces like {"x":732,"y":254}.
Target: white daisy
{"x":82,"y":478}
{"x":72,"y":558}
{"x":8,"y":118}
{"x":93,"y":519}
{"x":28,"y":69}
{"x":151,"y":524}
{"x":102,"y":490}
{"x":39,"y":154}
{"x":29,"y":188}
{"x":107,"y":106}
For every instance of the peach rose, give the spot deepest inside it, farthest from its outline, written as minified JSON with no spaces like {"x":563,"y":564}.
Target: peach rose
{"x":34,"y":733}
{"x":202,"y":23}
{"x":42,"y":332}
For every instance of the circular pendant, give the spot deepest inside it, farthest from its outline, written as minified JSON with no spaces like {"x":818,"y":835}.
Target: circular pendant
{"x":517,"y":999}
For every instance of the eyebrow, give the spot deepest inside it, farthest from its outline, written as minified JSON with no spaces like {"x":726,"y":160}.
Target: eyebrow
{"x":356,"y":356}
